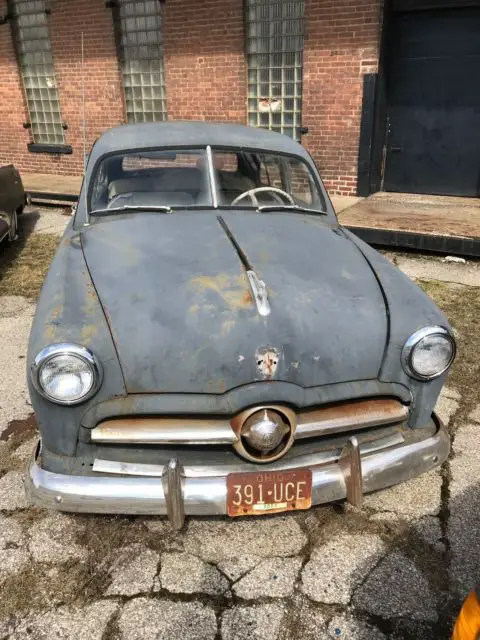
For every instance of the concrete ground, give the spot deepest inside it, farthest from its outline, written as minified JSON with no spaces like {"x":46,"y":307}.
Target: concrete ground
{"x":398,"y":568}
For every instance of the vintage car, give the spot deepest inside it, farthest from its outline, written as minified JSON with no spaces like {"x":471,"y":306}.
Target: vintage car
{"x":209,"y":339}
{"x":12,"y":201}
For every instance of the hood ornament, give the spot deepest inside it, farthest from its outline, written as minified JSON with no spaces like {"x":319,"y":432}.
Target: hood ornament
{"x":259,"y":291}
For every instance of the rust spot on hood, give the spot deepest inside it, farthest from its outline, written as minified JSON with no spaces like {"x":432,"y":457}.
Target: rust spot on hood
{"x":234,"y":290}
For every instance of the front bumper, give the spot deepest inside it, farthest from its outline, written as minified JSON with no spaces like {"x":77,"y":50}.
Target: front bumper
{"x":176,"y":494}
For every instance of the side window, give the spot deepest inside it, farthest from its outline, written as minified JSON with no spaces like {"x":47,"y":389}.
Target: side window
{"x":301,"y":186}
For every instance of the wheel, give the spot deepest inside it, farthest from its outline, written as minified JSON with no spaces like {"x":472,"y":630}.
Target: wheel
{"x":12,"y":234}
{"x":21,"y":208}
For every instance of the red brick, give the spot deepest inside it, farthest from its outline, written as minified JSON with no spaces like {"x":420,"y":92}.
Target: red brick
{"x":205,"y":72}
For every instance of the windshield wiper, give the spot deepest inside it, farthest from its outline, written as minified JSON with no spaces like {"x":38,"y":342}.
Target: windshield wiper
{"x":291,"y":207}
{"x":130,"y":207}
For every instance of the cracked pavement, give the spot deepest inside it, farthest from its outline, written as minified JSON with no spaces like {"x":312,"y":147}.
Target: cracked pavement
{"x":397,"y":568}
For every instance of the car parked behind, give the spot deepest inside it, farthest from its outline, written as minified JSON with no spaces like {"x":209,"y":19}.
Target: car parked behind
{"x":12,"y":201}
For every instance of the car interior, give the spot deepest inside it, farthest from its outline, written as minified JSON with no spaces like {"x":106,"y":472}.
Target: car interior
{"x":166,"y":178}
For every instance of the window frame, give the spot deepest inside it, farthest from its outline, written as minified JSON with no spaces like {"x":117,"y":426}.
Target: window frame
{"x":41,"y":141}
{"x":316,"y":180}
{"x":291,"y":74}
{"x":126,"y":80}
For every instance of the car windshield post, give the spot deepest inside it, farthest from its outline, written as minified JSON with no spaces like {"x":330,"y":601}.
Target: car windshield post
{"x":211,"y":177}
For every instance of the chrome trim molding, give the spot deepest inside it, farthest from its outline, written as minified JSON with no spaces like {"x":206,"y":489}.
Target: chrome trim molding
{"x":259,"y":292}
{"x":191,"y":431}
{"x":412,"y":342}
{"x":361,"y":414}
{"x":311,"y":423}
{"x":222,"y":470}
{"x":60,"y":349}
{"x":207,"y":495}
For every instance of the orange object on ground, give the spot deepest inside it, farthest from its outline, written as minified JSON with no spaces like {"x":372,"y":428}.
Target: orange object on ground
{"x":467,"y":626}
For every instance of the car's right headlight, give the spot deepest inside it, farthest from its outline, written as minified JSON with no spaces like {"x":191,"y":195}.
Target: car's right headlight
{"x":66,"y":373}
{"x":428,"y":353}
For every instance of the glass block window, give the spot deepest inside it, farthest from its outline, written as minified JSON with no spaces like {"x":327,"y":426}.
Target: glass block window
{"x":274,"y":46}
{"x":139,"y":26}
{"x":36,"y":65}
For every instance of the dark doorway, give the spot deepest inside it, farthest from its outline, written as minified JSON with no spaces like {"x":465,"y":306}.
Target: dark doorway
{"x":433,"y":93}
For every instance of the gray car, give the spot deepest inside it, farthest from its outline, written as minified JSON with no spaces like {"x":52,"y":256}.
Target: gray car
{"x":209,"y":340}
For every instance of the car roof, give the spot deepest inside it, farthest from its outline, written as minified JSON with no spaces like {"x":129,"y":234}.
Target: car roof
{"x":191,"y":134}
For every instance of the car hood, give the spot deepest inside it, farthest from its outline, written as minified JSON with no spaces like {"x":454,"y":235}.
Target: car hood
{"x":180,"y":310}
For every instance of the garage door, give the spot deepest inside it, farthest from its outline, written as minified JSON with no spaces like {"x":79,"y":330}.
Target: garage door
{"x":433,"y":93}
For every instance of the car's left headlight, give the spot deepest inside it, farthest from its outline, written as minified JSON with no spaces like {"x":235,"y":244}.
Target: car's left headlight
{"x":66,"y":373}
{"x":428,"y":353}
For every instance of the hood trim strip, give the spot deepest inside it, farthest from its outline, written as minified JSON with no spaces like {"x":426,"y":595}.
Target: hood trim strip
{"x":257,"y":286}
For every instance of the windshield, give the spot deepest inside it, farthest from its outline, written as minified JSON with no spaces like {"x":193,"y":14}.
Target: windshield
{"x":199,"y":178}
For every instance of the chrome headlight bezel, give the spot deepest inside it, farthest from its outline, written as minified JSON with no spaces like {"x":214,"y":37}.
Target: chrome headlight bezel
{"x":412,"y":343}
{"x":66,"y":349}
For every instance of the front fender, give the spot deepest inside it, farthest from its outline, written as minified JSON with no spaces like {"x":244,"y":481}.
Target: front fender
{"x":409,"y":309}
{"x":68,"y":310}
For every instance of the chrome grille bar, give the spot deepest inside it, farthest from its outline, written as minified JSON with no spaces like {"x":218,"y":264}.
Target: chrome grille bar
{"x":340,"y":418}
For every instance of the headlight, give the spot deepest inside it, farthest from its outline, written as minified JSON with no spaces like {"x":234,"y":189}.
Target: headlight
{"x":66,"y":373}
{"x":428,"y":353}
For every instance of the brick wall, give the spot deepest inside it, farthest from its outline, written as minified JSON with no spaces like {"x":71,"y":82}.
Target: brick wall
{"x":102,"y":85}
{"x":204,"y":60}
{"x":205,"y":71}
{"x":342,"y":44}
{"x":13,"y":138}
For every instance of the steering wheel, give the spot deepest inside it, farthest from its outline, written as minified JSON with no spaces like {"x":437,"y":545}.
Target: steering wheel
{"x":276,"y":193}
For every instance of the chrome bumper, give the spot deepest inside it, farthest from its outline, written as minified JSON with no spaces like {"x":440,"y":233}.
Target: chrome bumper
{"x":176,"y":495}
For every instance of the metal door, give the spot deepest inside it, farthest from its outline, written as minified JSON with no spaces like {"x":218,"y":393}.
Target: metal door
{"x":433,"y":93}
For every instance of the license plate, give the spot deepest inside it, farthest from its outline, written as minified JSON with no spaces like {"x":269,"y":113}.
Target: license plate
{"x":257,"y":493}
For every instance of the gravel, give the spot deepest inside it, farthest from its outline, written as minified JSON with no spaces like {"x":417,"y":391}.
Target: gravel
{"x":15,"y":320}
{"x":397,"y":588}
{"x":148,"y":619}
{"x":12,"y":493}
{"x":52,"y":539}
{"x":88,"y":623}
{"x":258,"y":622}
{"x":184,"y":573}
{"x":134,"y":571}
{"x":347,"y":627}
{"x":464,"y":505}
{"x":235,"y":568}
{"x":274,"y":578}
{"x":337,"y":567}
{"x":219,"y":540}
{"x":412,"y":499}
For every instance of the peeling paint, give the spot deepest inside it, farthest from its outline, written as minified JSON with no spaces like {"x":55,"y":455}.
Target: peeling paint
{"x":267,"y":359}
{"x":49,"y":333}
{"x":87,"y":333}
